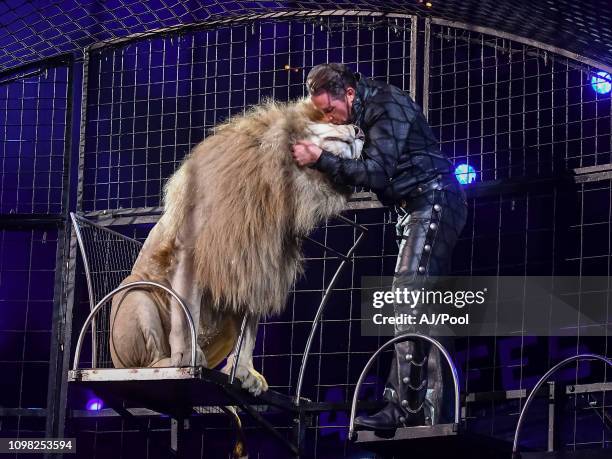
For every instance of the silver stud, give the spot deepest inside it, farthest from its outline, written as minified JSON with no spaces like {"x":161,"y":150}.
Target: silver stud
{"x":405,"y":379}
{"x":402,"y":419}
{"x":408,"y":356}
{"x":437,"y":207}
{"x":404,"y":402}
{"x":427,"y":248}
{"x":420,"y":188}
{"x":433,"y":226}
{"x":421,"y":269}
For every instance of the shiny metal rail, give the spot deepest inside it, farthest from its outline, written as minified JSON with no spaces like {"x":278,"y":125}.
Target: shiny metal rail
{"x":345,"y":260}
{"x":131,"y":285}
{"x":77,"y":221}
{"x":540,"y":383}
{"x":398,"y":339}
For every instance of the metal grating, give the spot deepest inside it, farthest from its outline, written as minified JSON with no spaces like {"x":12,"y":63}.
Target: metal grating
{"x":36,"y":30}
{"x":519,"y":233}
{"x":150,"y":99}
{"x":35,"y":115}
{"x":519,"y":114}
{"x":27,"y":273}
{"x":108,"y":257}
{"x":513,"y":111}
{"x":33,"y":126}
{"x":149,"y":102}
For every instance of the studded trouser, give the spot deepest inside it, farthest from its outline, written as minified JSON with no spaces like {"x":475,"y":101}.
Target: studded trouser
{"x":428,"y":228}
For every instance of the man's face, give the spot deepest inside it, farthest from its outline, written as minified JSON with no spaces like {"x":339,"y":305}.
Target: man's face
{"x":336,"y":111}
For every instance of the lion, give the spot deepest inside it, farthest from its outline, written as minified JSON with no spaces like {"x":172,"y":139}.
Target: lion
{"x":229,"y":240}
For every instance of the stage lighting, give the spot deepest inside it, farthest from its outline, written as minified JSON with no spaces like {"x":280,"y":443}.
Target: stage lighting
{"x":465,"y":173}
{"x":601,"y":82}
{"x":95,"y":404}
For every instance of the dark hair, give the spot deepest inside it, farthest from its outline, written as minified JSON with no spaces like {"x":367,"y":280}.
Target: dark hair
{"x":333,"y":78}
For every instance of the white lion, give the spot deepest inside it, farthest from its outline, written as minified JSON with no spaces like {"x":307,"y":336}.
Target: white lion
{"x":229,"y":240}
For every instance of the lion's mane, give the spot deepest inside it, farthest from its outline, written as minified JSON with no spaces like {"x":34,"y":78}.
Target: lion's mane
{"x":249,"y":205}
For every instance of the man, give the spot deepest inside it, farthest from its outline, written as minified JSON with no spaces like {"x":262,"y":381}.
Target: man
{"x":403,"y":165}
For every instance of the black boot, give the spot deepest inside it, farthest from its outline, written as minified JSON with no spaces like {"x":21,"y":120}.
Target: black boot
{"x":389,"y":418}
{"x":405,"y":391}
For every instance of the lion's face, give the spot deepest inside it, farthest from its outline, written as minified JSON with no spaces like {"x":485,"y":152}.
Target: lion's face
{"x":345,"y":140}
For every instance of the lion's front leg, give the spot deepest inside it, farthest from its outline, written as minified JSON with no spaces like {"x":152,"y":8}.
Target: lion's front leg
{"x":251,"y":379}
{"x":186,"y":287}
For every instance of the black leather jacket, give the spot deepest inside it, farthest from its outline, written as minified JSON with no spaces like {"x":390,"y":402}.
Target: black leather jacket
{"x":400,"y":151}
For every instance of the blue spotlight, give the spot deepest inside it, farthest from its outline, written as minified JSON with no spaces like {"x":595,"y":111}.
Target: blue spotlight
{"x":94,"y":404}
{"x":465,"y":174}
{"x":601,"y":82}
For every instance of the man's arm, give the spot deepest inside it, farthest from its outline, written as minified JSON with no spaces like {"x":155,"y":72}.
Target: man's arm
{"x":387,"y":137}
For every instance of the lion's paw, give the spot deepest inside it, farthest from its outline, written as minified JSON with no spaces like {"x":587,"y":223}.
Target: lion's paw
{"x":260,"y":377}
{"x":251,"y":379}
{"x":183,"y":358}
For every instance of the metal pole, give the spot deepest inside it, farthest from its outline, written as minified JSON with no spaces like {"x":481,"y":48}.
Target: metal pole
{"x":324,"y":300}
{"x":55,"y":406}
{"x":238,"y":348}
{"x":79,"y":237}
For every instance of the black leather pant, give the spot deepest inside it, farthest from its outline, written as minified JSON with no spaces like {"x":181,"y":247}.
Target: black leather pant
{"x":429,"y":224}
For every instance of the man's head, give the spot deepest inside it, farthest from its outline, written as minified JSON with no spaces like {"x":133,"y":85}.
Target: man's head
{"x":332,"y":90}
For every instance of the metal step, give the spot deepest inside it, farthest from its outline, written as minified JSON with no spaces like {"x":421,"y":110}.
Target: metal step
{"x":406,"y":433}
{"x":579,"y":454}
{"x":173,"y":391}
{"x":432,"y":442}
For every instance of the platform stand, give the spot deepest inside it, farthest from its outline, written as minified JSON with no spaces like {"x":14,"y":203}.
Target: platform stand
{"x":424,"y":441}
{"x":446,"y":440}
{"x":176,"y":391}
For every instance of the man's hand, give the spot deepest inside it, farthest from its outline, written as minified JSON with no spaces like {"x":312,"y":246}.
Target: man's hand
{"x":305,"y":153}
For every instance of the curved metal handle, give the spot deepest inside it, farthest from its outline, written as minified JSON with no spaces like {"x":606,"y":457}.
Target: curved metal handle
{"x":94,"y":329}
{"x":315,"y":323}
{"x":103,"y":301}
{"x":395,"y":340}
{"x":539,"y":384}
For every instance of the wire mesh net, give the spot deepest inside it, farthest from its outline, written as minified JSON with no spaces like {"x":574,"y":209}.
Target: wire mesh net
{"x":36,"y":30}
{"x":499,"y":106}
{"x":513,"y":111}
{"x":34,"y":109}
{"x":27,"y":272}
{"x":108,"y":259}
{"x":518,"y":114}
{"x":149,"y":102}
{"x":33,"y":122}
{"x":510,"y":110}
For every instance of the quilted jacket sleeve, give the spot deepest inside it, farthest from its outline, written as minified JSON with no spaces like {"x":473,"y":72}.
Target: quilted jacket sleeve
{"x":386,"y":127}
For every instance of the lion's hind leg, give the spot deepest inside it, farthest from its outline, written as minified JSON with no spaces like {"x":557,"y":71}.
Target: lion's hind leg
{"x":139,"y":337}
